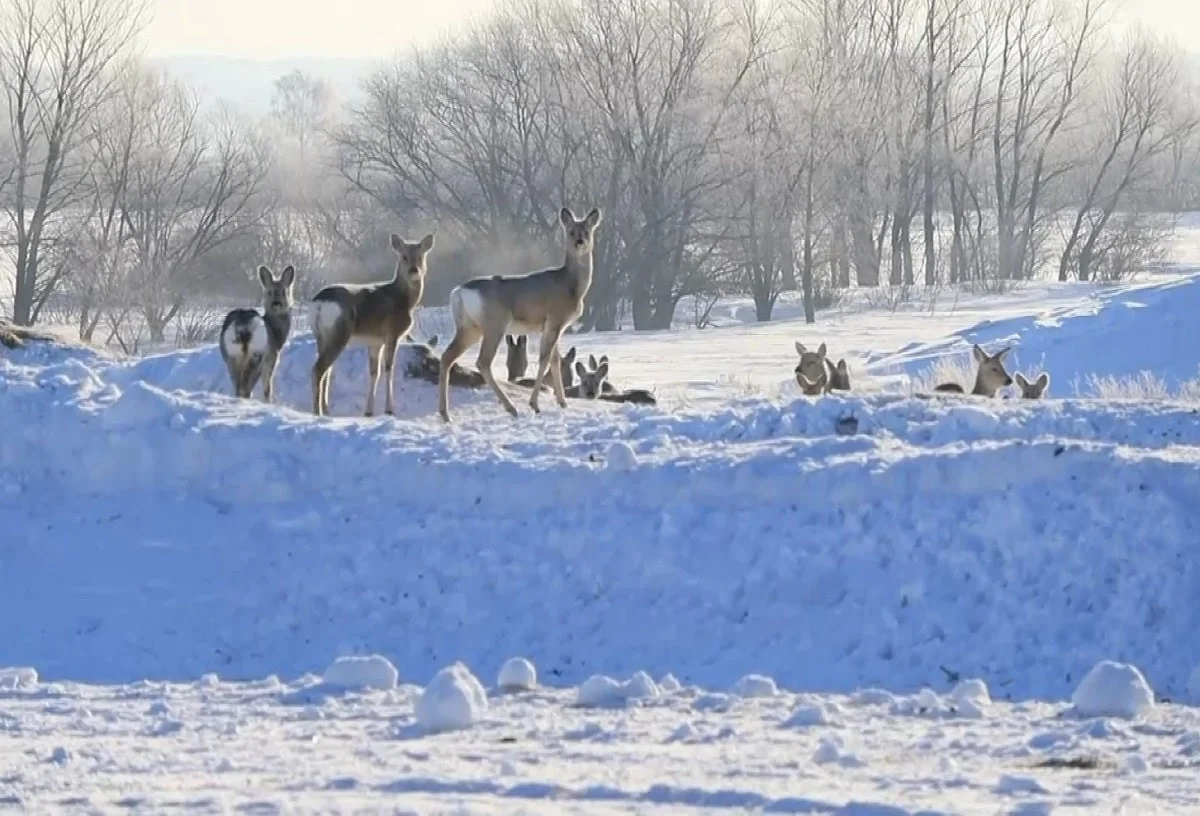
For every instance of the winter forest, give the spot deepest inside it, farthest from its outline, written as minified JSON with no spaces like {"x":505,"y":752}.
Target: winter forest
{"x":875,"y":147}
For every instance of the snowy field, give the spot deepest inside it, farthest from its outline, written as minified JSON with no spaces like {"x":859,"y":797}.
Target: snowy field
{"x":176,"y":551}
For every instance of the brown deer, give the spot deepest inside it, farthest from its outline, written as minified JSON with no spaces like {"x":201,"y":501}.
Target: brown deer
{"x":816,"y":375}
{"x":1033,"y":390}
{"x":990,"y":377}
{"x":547,"y":302}
{"x":251,"y":341}
{"x":378,"y":314}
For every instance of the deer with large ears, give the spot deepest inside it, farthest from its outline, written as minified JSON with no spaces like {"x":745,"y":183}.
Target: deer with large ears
{"x":546,"y":302}
{"x":1035,"y":389}
{"x":990,"y":377}
{"x":378,"y":314}
{"x":251,"y":341}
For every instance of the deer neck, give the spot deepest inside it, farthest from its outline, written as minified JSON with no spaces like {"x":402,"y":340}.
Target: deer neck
{"x":981,"y":390}
{"x":413,"y":289}
{"x":579,"y":269}
{"x":279,"y":326}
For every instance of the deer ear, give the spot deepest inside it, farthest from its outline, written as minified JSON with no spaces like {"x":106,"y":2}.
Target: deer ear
{"x":821,"y":350}
{"x":289,"y":276}
{"x":1043,"y":380}
{"x":397,"y":242}
{"x":1021,"y":381}
{"x":566,"y":217}
{"x":570,"y":356}
{"x":509,"y":341}
{"x":580,"y":370}
{"x":593,"y":218}
{"x":265,"y":277}
{"x":602,"y":371}
{"x":433,"y":338}
{"x":523,"y":340}
{"x":799,"y":347}
{"x":999,"y":355}
{"x":592,"y":364}
{"x":842,"y":367}
{"x":426,"y":243}
{"x":979,"y":354}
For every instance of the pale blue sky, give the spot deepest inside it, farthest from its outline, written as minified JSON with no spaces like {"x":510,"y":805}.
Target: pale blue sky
{"x":274,"y":29}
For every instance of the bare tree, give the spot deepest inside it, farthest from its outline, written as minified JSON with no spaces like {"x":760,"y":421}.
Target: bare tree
{"x":1139,"y":117}
{"x":57,"y":57}
{"x":192,"y":184}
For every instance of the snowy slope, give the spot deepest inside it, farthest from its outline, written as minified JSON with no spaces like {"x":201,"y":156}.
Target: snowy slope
{"x":166,"y":532}
{"x":1120,"y":332}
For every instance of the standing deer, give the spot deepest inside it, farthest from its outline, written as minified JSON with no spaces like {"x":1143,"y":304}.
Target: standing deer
{"x":547,"y":302}
{"x":378,"y":314}
{"x":251,"y":341}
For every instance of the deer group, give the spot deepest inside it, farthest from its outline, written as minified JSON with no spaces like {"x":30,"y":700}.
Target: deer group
{"x":484,"y":310}
{"x":817,"y":375}
{"x":380,"y":314}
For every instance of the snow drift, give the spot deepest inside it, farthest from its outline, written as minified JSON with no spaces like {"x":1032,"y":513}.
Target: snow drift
{"x":162,"y":530}
{"x":1120,"y":332}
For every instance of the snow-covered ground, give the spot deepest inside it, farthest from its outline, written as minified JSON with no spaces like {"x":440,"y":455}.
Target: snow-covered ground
{"x":267,"y":746}
{"x":157,"y":530}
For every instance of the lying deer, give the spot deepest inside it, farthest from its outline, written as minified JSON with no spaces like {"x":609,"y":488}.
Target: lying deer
{"x":1033,"y":390}
{"x":816,"y":375}
{"x":378,"y":314}
{"x":990,"y":376}
{"x":251,"y":341}
{"x":547,"y":302}
{"x":593,"y":384}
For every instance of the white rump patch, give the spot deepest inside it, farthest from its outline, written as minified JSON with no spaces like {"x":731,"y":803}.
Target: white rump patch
{"x":260,"y":341}
{"x":326,"y":316}
{"x":471,"y":303}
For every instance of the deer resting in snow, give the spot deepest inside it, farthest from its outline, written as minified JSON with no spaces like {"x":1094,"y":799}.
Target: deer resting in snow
{"x":1033,"y":390}
{"x":816,"y":375}
{"x":378,"y":314}
{"x":990,"y":377}
{"x":546,"y":302}
{"x":251,"y":341}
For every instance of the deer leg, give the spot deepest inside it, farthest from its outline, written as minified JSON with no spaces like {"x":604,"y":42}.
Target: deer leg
{"x":326,"y":385}
{"x":463,"y":340}
{"x":389,"y":361}
{"x":487,"y":353}
{"x":372,"y":378}
{"x":549,"y":343}
{"x":268,"y":375}
{"x":556,"y":377}
{"x":329,"y":348}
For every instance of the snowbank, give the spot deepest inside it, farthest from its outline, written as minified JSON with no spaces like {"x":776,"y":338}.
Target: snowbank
{"x":166,"y":532}
{"x":1120,"y":332}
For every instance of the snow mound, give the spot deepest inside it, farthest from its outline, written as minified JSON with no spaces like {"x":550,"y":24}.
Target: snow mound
{"x":1113,"y":689}
{"x":973,"y":691}
{"x":602,"y":691}
{"x":20,"y":678}
{"x":361,"y":672}
{"x":453,"y":700}
{"x":756,"y":685}
{"x":517,"y":674}
{"x":807,"y":715}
